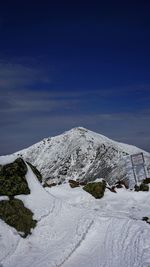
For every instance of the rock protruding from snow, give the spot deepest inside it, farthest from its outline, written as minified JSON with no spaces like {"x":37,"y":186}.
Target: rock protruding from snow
{"x":12,"y":178}
{"x":22,"y":196}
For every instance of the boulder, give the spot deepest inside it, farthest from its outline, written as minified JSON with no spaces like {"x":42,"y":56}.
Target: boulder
{"x":146,"y":181}
{"x":73,"y":183}
{"x":49,"y":185}
{"x":15,"y":214}
{"x":96,"y":189}
{"x":12,"y":179}
{"x":141,"y":187}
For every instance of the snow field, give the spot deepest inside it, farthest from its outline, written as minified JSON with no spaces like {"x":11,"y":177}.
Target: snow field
{"x":74,"y":229}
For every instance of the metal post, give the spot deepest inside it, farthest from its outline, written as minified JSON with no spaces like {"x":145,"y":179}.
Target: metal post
{"x":135,"y":178}
{"x":144,"y":166}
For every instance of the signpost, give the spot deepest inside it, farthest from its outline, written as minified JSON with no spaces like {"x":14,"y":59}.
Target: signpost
{"x":138,"y":161}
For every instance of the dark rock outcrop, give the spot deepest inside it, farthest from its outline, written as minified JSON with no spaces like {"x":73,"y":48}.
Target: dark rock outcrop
{"x":73,"y":183}
{"x":15,"y":214}
{"x":12,"y":179}
{"x":96,"y":189}
{"x":146,"y":181}
{"x":141,"y":187}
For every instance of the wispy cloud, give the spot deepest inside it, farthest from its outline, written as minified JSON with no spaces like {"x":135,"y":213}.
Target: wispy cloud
{"x":13,"y":76}
{"x":129,"y":128}
{"x":28,"y":113}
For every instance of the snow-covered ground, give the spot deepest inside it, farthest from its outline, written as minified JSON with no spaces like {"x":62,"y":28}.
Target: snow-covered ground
{"x":74,"y":229}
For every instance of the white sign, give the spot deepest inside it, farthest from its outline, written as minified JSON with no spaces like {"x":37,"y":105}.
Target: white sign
{"x":139,"y":167}
{"x":137,"y":159}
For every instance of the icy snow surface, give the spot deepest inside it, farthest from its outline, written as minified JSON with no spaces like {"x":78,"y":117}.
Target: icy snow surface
{"x":74,"y":229}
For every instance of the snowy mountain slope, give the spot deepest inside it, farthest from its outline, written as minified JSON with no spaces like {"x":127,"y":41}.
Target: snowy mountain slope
{"x":74,"y":229}
{"x":79,"y":154}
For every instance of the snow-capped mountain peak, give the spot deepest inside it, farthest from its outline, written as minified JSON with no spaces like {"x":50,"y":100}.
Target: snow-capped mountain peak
{"x":77,"y":154}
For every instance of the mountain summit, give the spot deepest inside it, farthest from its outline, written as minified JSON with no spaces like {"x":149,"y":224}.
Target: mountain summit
{"x":78,"y":154}
{"x":63,"y":225}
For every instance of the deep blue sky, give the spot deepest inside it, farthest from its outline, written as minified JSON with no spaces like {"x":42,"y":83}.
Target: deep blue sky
{"x":74,"y":63}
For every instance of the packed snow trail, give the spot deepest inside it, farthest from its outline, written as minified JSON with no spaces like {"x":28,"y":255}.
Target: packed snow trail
{"x":67,"y":238}
{"x":53,"y":240}
{"x":113,"y":243}
{"x":59,"y":231}
{"x":71,"y":236}
{"x":74,"y":229}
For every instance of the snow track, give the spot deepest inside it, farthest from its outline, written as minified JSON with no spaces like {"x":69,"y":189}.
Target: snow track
{"x":9,"y":241}
{"x":78,"y":244}
{"x":53,"y":241}
{"x":83,"y":240}
{"x":113,"y":243}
